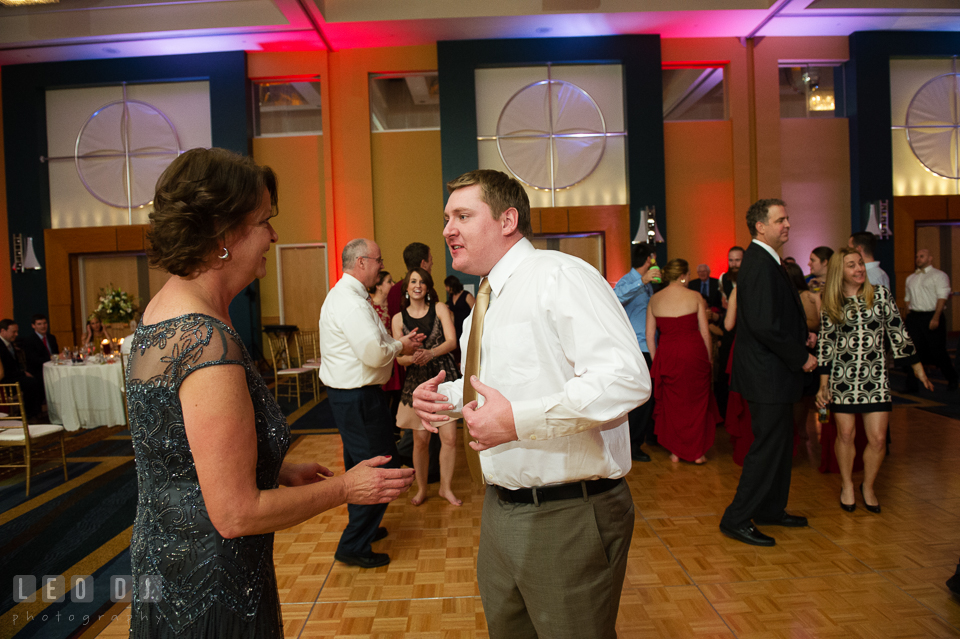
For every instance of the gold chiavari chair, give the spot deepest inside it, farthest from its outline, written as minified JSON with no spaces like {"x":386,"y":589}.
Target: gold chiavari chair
{"x":308,"y":354}
{"x":287,"y":378}
{"x":15,"y":432}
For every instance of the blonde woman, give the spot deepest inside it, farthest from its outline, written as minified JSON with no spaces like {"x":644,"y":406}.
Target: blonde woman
{"x":856,"y":320}
{"x":96,"y":332}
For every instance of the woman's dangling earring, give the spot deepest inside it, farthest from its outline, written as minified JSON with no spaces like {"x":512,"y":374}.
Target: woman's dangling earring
{"x":428,"y":298}
{"x":406,"y":295}
{"x":225,"y":255}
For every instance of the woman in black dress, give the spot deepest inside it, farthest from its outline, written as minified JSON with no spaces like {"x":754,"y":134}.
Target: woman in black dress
{"x":420,"y":310}
{"x":857,"y":320}
{"x":209,"y":439}
{"x":461,"y":303}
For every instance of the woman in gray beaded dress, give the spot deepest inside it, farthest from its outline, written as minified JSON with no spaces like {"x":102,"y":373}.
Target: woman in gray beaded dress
{"x":208,"y":437}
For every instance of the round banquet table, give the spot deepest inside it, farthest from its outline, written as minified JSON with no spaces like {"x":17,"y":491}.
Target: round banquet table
{"x":84,"y":395}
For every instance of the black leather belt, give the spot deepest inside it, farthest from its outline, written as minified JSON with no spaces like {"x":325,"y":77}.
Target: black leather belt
{"x":582,"y":489}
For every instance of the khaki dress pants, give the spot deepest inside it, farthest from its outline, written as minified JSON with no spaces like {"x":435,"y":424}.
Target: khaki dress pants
{"x":554,"y":570}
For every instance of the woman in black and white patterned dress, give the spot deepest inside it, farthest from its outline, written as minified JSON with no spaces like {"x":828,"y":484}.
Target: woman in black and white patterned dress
{"x":857,"y":319}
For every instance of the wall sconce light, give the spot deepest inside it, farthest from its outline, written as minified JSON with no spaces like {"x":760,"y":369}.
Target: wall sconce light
{"x":648,"y":231}
{"x":878,"y":219}
{"x":24,"y":259}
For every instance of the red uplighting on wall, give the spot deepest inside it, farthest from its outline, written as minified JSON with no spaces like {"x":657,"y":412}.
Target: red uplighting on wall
{"x":696,"y":64}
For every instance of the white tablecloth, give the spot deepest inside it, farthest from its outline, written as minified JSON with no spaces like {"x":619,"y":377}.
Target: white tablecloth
{"x":84,"y":395}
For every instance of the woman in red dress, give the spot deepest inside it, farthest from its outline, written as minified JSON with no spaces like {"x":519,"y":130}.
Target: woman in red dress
{"x":685,"y":412}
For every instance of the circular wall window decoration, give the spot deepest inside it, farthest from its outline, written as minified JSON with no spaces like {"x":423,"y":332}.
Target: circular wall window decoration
{"x":551,"y":134}
{"x":933,"y":125}
{"x":122,"y":149}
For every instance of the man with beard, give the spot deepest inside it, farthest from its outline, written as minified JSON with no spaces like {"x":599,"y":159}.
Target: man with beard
{"x":728,"y":281}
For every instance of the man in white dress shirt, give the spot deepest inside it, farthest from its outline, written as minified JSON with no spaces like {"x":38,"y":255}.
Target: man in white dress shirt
{"x":865,"y":243}
{"x":928,"y":290}
{"x":560,"y":368}
{"x":357,"y":360}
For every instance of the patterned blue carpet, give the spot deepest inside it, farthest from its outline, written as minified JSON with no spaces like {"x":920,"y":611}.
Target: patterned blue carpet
{"x":81,"y":527}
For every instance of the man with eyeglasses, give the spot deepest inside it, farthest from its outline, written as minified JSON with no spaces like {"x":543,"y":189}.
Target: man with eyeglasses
{"x":357,"y":360}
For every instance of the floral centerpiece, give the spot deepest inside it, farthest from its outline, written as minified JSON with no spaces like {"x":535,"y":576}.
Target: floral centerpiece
{"x":116,"y":305}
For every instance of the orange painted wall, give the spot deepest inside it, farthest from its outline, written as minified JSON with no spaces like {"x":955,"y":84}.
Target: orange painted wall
{"x":408,"y":198}
{"x":350,"y":144}
{"x":299,"y":64}
{"x":730,"y":51}
{"x":701,"y":218}
{"x":768,"y":53}
{"x":815,"y":174}
{"x":756,"y":149}
{"x":298,"y":162}
{"x":338,"y":168}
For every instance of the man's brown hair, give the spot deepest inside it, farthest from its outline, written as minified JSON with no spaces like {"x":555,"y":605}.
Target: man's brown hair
{"x":500,"y":192}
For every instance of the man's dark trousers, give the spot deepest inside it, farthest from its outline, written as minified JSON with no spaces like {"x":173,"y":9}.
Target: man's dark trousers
{"x":641,"y":417}
{"x":362,"y":416}
{"x":772,"y":448}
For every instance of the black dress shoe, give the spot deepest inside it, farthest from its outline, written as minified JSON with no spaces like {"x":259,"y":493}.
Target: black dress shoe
{"x":848,"y":507}
{"x":639,"y":456}
{"x":748,"y":534}
{"x":873,"y":509}
{"x":380,"y":534}
{"x":373,"y":560}
{"x":789,"y":521}
{"x":953,"y":583}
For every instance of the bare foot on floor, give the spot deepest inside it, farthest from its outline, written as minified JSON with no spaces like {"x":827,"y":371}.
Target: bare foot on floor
{"x":702,"y":460}
{"x":674,"y":459}
{"x":418,"y":499}
{"x":449,"y":496}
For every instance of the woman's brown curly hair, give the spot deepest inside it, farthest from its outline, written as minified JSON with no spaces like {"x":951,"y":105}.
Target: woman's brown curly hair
{"x":202,"y":196}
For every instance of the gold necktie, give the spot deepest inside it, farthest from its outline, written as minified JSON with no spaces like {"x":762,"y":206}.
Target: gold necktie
{"x":472,"y":367}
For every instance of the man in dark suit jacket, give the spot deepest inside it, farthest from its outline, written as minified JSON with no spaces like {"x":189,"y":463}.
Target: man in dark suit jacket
{"x":38,"y":345}
{"x":768,"y":364}
{"x":707,"y":286}
{"x":10,"y":357}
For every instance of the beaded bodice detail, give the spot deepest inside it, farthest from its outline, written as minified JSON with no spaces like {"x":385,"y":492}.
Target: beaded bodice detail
{"x":173,"y":536}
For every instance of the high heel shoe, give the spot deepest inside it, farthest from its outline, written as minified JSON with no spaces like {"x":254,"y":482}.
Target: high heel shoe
{"x":847,"y":507}
{"x":873,"y":509}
